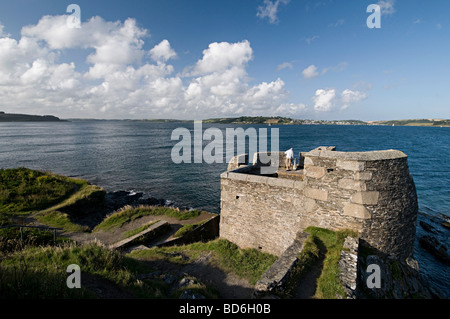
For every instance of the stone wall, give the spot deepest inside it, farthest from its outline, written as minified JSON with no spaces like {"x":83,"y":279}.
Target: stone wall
{"x":369,"y":192}
{"x":260,"y":212}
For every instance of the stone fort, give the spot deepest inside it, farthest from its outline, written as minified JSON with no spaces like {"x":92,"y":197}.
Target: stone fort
{"x":371,"y":193}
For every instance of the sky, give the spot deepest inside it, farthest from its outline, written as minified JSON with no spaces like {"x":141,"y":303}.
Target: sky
{"x":199,"y":59}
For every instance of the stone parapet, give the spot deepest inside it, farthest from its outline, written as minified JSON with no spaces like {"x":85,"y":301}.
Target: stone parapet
{"x":371,"y":193}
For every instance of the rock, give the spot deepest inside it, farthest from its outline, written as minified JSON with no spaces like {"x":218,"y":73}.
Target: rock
{"x":446,"y":225}
{"x":427,"y":227}
{"x":169,"y":279}
{"x":186,"y":282}
{"x":189,"y":294}
{"x":437,"y":249}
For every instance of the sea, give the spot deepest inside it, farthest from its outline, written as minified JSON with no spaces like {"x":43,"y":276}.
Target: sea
{"x":137,"y":156}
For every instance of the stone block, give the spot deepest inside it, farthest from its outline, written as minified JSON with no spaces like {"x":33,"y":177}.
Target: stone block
{"x":351,"y":184}
{"x":315,"y":171}
{"x":300,"y":185}
{"x":310,"y":205}
{"x":365,"y":198}
{"x":316,"y":193}
{"x":363,"y":176}
{"x":257,"y":179}
{"x":356,"y":210}
{"x":350,"y":165}
{"x":237,"y":176}
{"x":308,"y":161}
{"x":280,"y":182}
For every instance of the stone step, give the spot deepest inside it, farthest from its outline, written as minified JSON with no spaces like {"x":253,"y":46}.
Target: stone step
{"x":128,"y":241}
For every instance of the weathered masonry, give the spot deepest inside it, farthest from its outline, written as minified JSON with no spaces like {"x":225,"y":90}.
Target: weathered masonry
{"x":371,"y":193}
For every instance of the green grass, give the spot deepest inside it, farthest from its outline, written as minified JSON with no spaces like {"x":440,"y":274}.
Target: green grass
{"x":85,"y":191}
{"x":187,"y":228}
{"x":10,"y":239}
{"x":245,"y":263}
{"x":330,"y":243}
{"x":57,"y":219}
{"x":23,"y":190}
{"x":40,"y":272}
{"x":128,"y":214}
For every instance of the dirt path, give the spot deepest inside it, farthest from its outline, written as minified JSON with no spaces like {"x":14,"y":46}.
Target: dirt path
{"x":229,"y":285}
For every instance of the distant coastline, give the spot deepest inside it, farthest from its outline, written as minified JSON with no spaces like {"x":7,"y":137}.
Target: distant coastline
{"x":249,"y":120}
{"x":9,"y":117}
{"x":243,"y":120}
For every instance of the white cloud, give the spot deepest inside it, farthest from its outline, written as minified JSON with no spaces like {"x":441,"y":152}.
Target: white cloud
{"x":2,"y":34}
{"x":311,"y":39}
{"x":337,"y":23}
{"x":313,"y":71}
{"x":324,"y":100}
{"x":349,"y":97}
{"x":387,"y":6}
{"x":288,"y":109}
{"x":285,"y":65}
{"x":222,"y":56}
{"x":336,"y":68}
{"x":121,"y":79}
{"x":270,"y":10}
{"x":310,"y":72}
{"x":162,"y":52}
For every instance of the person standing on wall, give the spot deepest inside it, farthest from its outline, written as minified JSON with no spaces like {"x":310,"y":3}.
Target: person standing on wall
{"x":289,"y":157}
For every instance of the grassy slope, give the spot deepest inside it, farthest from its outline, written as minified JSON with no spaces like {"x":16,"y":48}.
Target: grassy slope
{"x":24,"y":192}
{"x":246,"y":263}
{"x":128,"y":214}
{"x":40,"y":272}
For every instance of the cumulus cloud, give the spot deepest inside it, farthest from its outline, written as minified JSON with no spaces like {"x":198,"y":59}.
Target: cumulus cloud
{"x":349,"y":97}
{"x":119,"y":78}
{"x":162,"y":52}
{"x":223,"y":56}
{"x":270,"y":10}
{"x":310,"y":72}
{"x":326,"y":100}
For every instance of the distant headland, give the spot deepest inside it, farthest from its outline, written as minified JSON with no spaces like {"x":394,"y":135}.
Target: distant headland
{"x":289,"y":121}
{"x":7,"y":117}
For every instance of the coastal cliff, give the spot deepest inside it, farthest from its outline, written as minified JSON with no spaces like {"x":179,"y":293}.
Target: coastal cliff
{"x":9,"y":117}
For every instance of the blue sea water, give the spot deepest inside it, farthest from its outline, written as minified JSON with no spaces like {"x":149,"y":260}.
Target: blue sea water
{"x":136,"y":156}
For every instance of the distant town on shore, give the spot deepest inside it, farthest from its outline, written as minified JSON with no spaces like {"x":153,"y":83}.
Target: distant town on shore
{"x":244,"y":120}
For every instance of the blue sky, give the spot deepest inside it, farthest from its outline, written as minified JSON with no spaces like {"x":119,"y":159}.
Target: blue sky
{"x":196,"y":59}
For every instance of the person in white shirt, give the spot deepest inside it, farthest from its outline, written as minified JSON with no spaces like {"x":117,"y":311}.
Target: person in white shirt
{"x":289,"y":157}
